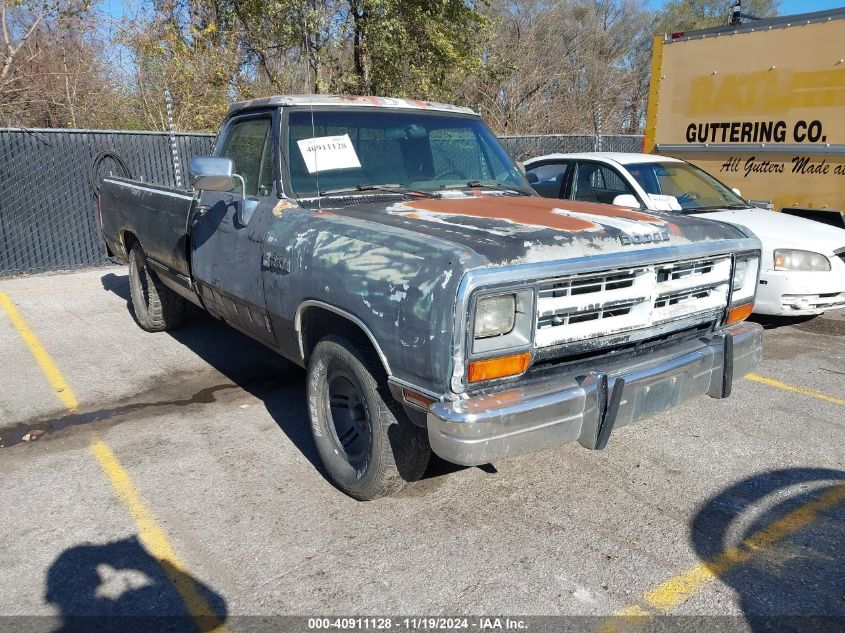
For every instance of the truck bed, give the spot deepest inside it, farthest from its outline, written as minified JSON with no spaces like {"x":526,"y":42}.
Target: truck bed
{"x":157,"y":216}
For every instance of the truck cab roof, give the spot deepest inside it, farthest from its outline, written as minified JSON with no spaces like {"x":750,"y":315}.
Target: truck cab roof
{"x":347,"y":101}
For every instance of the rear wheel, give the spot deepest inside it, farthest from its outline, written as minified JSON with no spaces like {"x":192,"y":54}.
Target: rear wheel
{"x":157,"y":308}
{"x":366,"y":442}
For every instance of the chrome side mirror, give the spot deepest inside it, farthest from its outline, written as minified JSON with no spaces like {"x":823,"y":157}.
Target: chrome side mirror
{"x":736,"y":191}
{"x":211,"y":173}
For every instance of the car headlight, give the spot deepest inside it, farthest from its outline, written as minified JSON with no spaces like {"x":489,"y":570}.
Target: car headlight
{"x":789,"y":259}
{"x":495,"y":315}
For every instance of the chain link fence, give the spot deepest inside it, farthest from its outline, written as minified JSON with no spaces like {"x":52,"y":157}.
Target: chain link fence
{"x":47,"y":211}
{"x":525,"y":147}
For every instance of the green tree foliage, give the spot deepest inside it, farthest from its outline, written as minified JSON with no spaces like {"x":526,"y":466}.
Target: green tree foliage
{"x":190,"y":48}
{"x":529,"y":66}
{"x":414,"y":48}
{"x":398,"y":47}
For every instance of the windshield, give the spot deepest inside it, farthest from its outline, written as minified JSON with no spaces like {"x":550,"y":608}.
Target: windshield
{"x":346,"y":150}
{"x":695,"y":189}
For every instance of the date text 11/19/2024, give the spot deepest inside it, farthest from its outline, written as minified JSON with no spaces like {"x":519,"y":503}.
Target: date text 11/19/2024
{"x":416,"y":623}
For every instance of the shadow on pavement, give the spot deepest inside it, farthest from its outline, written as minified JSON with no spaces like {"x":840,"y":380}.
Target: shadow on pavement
{"x":258,"y":370}
{"x":778,"y":540}
{"x":772,"y":322}
{"x":247,"y":363}
{"x":118,"y":587}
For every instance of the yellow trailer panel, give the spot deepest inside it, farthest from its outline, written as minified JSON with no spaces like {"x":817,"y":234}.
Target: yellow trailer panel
{"x":759,"y":105}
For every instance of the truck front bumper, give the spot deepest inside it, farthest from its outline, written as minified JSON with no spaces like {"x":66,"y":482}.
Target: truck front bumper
{"x":587,"y":406}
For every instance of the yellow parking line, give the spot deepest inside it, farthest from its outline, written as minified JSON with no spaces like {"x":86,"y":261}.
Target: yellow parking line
{"x":812,"y":393}
{"x":631,"y":619}
{"x":672,"y":593}
{"x":155,"y":540}
{"x":48,"y":367}
{"x":151,"y":535}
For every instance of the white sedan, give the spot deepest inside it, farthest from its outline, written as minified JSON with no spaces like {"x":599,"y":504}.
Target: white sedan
{"x":803,"y":265}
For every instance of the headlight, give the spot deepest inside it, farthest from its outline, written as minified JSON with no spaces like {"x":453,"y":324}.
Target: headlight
{"x":744,"y":282}
{"x":740,"y":274}
{"x":788,"y":259}
{"x":495,"y":316}
{"x":503,"y":322}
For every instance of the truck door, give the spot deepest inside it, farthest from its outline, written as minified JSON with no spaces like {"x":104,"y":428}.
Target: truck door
{"x":227,"y":229}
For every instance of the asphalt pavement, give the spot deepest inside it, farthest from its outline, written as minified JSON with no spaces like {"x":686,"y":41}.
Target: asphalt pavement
{"x":188,"y":466}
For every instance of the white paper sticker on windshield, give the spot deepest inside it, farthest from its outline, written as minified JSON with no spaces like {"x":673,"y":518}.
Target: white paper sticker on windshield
{"x":325,"y":153}
{"x":665,"y":203}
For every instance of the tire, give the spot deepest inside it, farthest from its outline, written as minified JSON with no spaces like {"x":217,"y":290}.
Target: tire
{"x":366,"y":442}
{"x":156,"y":307}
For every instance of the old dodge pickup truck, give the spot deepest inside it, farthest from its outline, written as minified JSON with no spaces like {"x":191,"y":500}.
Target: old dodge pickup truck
{"x":393,"y":249}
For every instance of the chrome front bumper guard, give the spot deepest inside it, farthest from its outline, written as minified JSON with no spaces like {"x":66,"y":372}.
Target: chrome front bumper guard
{"x":586,"y":407}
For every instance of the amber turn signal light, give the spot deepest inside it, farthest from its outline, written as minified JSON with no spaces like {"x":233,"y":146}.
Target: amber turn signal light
{"x":412,"y":397}
{"x":739,"y":313}
{"x":491,"y":368}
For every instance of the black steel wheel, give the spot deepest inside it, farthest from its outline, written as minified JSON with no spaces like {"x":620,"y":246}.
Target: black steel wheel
{"x":350,"y":416}
{"x":367,"y":444}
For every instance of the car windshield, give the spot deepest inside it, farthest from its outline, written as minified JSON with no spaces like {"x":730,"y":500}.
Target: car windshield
{"x":694,"y":188}
{"x":350,"y":150}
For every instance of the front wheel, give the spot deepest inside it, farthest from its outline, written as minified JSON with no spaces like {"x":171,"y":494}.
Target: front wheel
{"x":366,"y":442}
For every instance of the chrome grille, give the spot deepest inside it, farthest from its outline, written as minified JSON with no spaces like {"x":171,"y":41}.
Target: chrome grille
{"x":594,"y":305}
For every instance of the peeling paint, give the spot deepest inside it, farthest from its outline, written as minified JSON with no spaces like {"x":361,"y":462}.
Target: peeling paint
{"x":446,"y":279}
{"x":522,"y":211}
{"x":281,"y":205}
{"x":447,"y":219}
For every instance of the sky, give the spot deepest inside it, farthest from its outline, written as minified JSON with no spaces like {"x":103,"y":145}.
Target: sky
{"x":788,"y":7}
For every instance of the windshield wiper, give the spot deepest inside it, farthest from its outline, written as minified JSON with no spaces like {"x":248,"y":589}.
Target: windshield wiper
{"x":716,"y":207}
{"x":494,"y":185}
{"x":391,"y":188}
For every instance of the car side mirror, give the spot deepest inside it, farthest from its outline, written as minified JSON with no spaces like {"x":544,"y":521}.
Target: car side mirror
{"x":532,"y":178}
{"x":626,"y":200}
{"x":736,"y":191}
{"x":212,"y":173}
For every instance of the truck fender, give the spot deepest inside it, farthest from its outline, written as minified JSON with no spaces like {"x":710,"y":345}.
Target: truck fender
{"x":354,"y":320}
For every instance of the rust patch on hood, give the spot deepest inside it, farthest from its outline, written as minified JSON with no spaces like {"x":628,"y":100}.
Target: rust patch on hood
{"x":541,"y":212}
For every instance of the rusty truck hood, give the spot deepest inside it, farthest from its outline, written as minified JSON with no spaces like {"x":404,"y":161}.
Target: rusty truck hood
{"x":525,"y":229}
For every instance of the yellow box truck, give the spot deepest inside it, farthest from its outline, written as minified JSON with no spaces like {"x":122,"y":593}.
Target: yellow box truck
{"x":761,"y":106}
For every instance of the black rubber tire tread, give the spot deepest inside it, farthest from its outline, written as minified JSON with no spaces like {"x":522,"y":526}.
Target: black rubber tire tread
{"x":161,"y":309}
{"x":400,"y":449}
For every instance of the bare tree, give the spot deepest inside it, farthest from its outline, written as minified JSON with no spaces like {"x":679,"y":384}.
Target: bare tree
{"x":19,"y":23}
{"x":568,"y":66}
{"x":52,"y":65}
